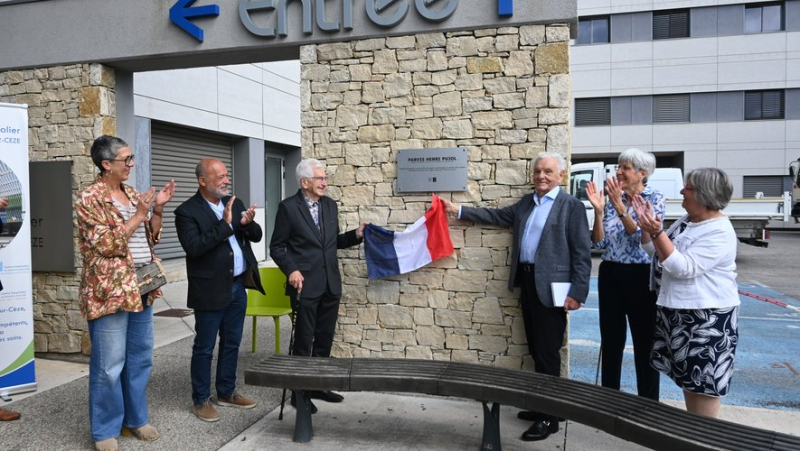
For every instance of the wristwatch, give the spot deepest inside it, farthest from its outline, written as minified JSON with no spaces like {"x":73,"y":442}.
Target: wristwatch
{"x":653,"y":236}
{"x":623,"y":214}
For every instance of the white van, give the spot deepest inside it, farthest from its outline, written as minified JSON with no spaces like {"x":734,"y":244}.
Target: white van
{"x":669,"y":181}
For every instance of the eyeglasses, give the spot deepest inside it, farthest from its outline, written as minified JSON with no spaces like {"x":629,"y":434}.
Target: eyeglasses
{"x":319,"y":178}
{"x":128,"y":160}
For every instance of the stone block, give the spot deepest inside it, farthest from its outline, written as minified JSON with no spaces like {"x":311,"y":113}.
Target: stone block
{"x":487,"y":311}
{"x":462,"y":46}
{"x":452,"y":318}
{"x":531,"y":34}
{"x":557,"y":33}
{"x":385,"y":62}
{"x":548,"y":116}
{"x":444,"y":78}
{"x":397,"y":85}
{"x":559,"y":91}
{"x":423,"y":316}
{"x":558,"y":139}
{"x":401,"y":42}
{"x":391,"y":316}
{"x":430,"y":40}
{"x":436,"y":60}
{"x":360,"y":72}
{"x":509,"y":100}
{"x":427,"y":128}
{"x":465,"y":281}
{"x":459,"y":129}
{"x":491,"y":344}
{"x":472,"y":104}
{"x":491,"y":193}
{"x":500,"y":85}
{"x":419,"y":352}
{"x":552,"y":58}
{"x":354,"y":196}
{"x":447,"y":104}
{"x":456,"y":341}
{"x":394,"y":116}
{"x":519,"y":63}
{"x":492,"y":120}
{"x":370,"y":45}
{"x":484,"y":65}
{"x":507,"y":43}
{"x":352,"y":115}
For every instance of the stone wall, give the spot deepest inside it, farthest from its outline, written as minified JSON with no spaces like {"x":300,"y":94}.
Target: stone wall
{"x":68,"y":106}
{"x":503,"y":94}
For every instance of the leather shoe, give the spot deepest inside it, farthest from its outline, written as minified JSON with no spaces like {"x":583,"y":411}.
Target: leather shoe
{"x":311,"y":405}
{"x":7,"y":415}
{"x":327,"y":396}
{"x":530,"y":415}
{"x":540,"y":430}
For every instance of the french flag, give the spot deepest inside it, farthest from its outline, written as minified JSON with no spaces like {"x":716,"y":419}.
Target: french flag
{"x":390,"y":253}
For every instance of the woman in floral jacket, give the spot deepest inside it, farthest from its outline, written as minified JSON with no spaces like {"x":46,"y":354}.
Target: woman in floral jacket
{"x":115,"y":237}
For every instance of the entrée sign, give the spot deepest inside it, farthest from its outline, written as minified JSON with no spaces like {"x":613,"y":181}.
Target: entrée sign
{"x":383,"y":13}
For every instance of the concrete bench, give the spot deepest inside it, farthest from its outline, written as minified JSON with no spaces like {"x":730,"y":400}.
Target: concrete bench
{"x":630,"y":417}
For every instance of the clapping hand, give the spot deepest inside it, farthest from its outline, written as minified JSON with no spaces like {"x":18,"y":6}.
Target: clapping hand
{"x":248,"y":215}
{"x":648,"y":220}
{"x":145,"y":201}
{"x":614,"y":191}
{"x":166,"y":193}
{"x":596,"y":198}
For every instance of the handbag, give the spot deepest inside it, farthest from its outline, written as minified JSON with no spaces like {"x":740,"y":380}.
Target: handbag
{"x":152,"y":275}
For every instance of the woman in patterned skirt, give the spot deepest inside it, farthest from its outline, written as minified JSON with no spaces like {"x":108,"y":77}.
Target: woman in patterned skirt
{"x":698,"y":301}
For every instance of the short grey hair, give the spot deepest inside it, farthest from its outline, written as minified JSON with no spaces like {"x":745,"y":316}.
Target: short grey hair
{"x":305,"y":169}
{"x":712,"y":187}
{"x":105,"y":148}
{"x":640,"y":160}
{"x":562,"y":162}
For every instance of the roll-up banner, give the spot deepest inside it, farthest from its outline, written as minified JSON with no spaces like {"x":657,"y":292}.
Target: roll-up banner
{"x":16,"y":289}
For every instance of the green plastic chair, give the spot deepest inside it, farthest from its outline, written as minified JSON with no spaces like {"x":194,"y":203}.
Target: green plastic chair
{"x":275,"y":303}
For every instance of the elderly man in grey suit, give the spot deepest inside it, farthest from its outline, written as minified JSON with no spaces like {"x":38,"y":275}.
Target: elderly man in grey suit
{"x":551,"y":244}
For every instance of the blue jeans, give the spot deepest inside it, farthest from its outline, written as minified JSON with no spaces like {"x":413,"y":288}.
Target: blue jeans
{"x":119,"y":369}
{"x":228,"y":323}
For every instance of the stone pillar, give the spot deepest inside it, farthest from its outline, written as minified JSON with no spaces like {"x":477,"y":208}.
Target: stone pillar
{"x":68,"y":106}
{"x":503,"y":94}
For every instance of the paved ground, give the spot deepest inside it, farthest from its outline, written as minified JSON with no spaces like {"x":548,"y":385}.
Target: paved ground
{"x":56,"y":417}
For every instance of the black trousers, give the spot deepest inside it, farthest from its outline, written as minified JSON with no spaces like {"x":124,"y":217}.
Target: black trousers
{"x":625,"y":298}
{"x":544,"y":326}
{"x":315,"y":324}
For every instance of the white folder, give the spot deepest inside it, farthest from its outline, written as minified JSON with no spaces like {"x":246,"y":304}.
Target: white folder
{"x":560,"y":292}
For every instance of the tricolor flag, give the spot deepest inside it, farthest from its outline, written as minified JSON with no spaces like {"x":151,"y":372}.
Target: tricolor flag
{"x":390,"y":253}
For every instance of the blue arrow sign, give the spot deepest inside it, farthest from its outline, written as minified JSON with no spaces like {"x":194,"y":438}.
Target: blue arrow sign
{"x":181,"y":11}
{"x":505,"y":8}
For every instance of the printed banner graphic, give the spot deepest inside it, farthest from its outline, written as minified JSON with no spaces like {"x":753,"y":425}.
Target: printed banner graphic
{"x":390,"y":253}
{"x":16,"y":288}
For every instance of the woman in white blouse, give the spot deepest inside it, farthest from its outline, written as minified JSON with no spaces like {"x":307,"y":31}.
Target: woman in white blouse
{"x":698,"y":301}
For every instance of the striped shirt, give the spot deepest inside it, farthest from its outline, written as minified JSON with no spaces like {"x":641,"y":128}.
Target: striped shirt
{"x":137,"y":243}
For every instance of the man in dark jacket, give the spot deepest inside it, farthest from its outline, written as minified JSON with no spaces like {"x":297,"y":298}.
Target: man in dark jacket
{"x":550,"y":245}
{"x":304,"y":246}
{"x":216,"y":230}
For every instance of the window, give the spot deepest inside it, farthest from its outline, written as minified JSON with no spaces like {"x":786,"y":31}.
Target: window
{"x":593,"y":30}
{"x":671,"y":108}
{"x":769,"y":185}
{"x":671,"y":24}
{"x":595,"y":111}
{"x":764,"y":105}
{"x":578,"y":182}
{"x":763,"y":18}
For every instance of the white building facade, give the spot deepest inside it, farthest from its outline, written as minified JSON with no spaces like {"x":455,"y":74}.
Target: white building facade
{"x":698,"y":83}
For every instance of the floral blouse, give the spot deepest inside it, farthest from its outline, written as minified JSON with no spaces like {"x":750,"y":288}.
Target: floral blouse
{"x":619,"y":246}
{"x":109,"y":277}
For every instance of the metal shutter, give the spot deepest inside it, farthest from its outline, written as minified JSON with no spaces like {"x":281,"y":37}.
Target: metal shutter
{"x":764,"y":105}
{"x":596,"y":111}
{"x":175,"y":153}
{"x":671,"y":108}
{"x":671,"y":24}
{"x":770,"y":185}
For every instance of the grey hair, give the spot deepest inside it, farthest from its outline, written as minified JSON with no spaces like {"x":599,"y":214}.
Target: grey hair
{"x":305,"y":169}
{"x":712,"y":187}
{"x":640,"y":160}
{"x":105,"y":148}
{"x":562,"y":162}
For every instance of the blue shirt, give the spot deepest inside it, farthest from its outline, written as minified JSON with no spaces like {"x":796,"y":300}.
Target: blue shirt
{"x":619,"y":246}
{"x":238,"y":257}
{"x":535,"y":225}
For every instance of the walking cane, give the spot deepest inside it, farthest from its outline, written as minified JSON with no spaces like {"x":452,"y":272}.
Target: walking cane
{"x":597,"y":374}
{"x":293,"y":318}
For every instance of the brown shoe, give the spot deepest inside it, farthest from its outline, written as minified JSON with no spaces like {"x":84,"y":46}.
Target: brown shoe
{"x":7,"y":415}
{"x":206,"y":411}
{"x":236,"y":400}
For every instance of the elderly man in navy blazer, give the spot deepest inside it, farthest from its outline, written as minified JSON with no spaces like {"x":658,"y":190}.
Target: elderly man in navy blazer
{"x":304,"y":246}
{"x":216,"y":229}
{"x":551,"y":244}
